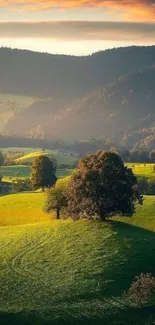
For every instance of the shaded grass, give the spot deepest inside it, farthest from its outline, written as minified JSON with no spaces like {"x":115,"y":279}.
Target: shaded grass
{"x":11,"y":171}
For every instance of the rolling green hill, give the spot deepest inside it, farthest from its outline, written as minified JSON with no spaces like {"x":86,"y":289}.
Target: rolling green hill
{"x":66,"y":272}
{"x":59,"y":156}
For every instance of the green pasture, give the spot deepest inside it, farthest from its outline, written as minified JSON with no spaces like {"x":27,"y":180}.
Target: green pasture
{"x":9,"y":173}
{"x":143,"y":170}
{"x":66,"y":272}
{"x":19,"y":209}
{"x":61,"y":158}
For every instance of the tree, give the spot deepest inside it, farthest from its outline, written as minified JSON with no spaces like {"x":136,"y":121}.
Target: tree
{"x":43,"y":173}
{"x":57,"y":197}
{"x":143,"y":186}
{"x":103,"y":186}
{"x":1,"y":159}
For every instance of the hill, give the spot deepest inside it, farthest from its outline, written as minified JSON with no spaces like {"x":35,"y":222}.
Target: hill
{"x":122,"y":111}
{"x":108,"y":94}
{"x":66,"y":272}
{"x":61,"y":158}
{"x":30,"y":120}
{"x":12,"y":105}
{"x":61,"y":76}
{"x":113,"y":111}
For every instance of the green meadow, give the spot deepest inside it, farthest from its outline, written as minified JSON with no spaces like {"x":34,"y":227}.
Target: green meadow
{"x":67,"y":272}
{"x":143,"y":170}
{"x":140,"y":170}
{"x":10,"y":173}
{"x":59,"y":156}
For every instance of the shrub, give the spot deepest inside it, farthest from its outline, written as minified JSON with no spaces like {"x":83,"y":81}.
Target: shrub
{"x":143,"y":186}
{"x":142,"y":289}
{"x":21,"y":185}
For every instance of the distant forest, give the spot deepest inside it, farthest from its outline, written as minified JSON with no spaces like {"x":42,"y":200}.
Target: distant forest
{"x":80,"y":148}
{"x":107,"y":95}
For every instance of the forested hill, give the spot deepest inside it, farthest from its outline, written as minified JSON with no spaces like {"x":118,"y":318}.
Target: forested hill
{"x":113,"y":110}
{"x":108,"y":94}
{"x":41,"y":74}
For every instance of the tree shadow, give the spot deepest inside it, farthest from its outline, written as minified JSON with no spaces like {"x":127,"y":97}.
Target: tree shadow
{"x":137,"y":252}
{"x":135,"y":316}
{"x":20,"y":319}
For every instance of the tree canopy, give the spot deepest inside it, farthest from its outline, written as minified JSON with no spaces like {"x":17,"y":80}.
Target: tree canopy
{"x":103,"y":186}
{"x":57,"y":197}
{"x":43,"y":172}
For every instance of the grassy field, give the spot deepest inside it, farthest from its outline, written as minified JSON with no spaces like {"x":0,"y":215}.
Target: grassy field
{"x":59,"y":156}
{"x":19,"y":209}
{"x":143,"y":170}
{"x":9,"y":173}
{"x":15,"y":171}
{"x":65,"y":272}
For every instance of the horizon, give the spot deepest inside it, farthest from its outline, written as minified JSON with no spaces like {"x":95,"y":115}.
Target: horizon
{"x":74,"y":55}
{"x":74,"y":27}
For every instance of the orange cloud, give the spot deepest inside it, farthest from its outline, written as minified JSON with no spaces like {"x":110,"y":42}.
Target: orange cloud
{"x":130,"y":9}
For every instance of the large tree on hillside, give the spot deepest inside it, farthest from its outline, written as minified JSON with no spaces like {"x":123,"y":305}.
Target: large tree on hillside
{"x":103,"y":186}
{"x":43,"y":173}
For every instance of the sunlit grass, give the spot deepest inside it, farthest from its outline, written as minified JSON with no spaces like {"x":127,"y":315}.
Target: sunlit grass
{"x":18,"y":209}
{"x":59,"y":156}
{"x":143,"y":170}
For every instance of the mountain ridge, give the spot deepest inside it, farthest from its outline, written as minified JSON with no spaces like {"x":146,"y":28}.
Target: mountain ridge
{"x":109,"y":93}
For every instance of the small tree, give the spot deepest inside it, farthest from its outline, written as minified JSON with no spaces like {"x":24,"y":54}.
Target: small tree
{"x":143,"y":186}
{"x":142,"y":289}
{"x":103,"y":186}
{"x":57,"y":197}
{"x":43,"y":173}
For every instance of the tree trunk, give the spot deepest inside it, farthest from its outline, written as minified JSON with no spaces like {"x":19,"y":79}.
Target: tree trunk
{"x":102,"y":216}
{"x":43,"y":189}
{"x":58,"y":214}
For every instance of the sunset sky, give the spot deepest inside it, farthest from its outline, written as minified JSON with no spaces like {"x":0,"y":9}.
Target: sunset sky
{"x":76,"y":27}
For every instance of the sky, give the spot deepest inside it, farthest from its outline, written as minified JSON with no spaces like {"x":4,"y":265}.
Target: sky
{"x":76,"y":27}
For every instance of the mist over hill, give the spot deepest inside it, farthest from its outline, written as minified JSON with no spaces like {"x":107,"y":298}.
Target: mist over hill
{"x":108,"y":94}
